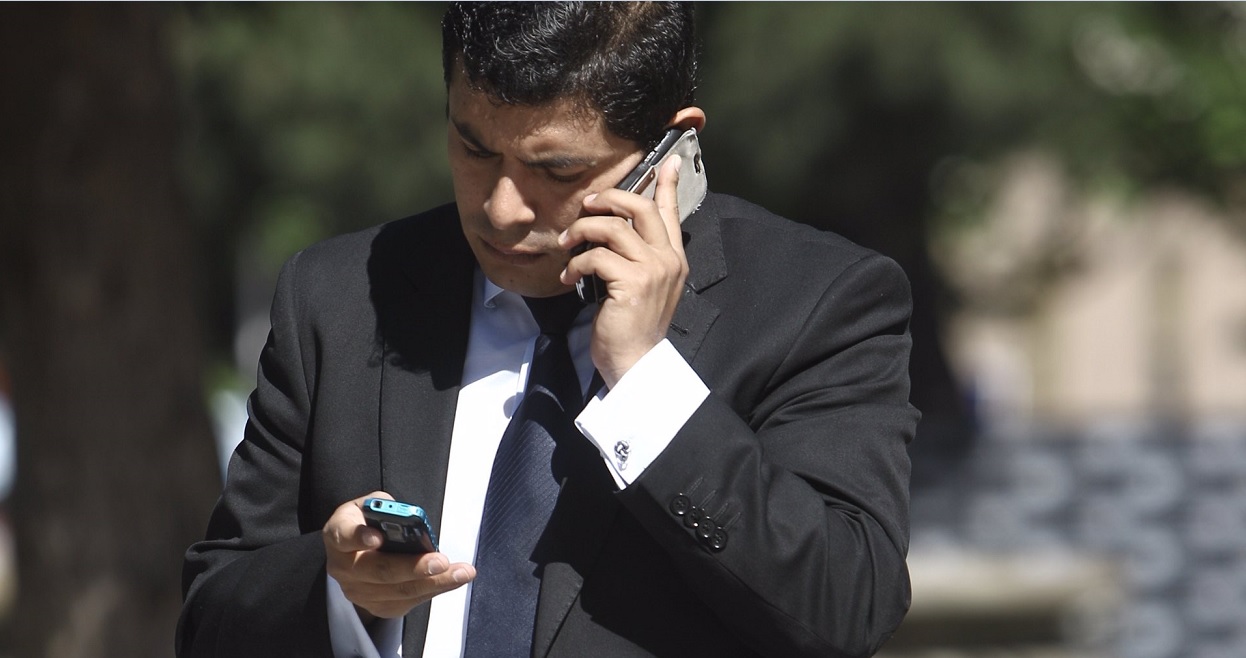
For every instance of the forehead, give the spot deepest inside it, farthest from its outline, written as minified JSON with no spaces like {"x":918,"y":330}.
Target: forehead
{"x":565,"y":119}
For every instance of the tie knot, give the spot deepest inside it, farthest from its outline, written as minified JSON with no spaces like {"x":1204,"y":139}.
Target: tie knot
{"x":554,"y":315}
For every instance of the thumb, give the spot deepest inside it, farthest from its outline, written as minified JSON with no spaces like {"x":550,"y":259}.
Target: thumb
{"x":347,"y":530}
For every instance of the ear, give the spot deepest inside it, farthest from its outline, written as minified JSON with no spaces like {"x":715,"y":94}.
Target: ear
{"x":688,"y":117}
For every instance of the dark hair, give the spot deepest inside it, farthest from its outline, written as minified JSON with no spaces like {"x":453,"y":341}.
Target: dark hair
{"x":635,"y":62}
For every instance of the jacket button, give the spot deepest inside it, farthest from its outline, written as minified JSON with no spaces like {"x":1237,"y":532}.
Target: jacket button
{"x":693,"y":518}
{"x":717,"y":540}
{"x":706,"y":527}
{"x":680,"y":505}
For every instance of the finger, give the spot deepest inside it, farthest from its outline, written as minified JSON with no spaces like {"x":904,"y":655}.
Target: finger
{"x":418,"y":588}
{"x":612,"y":231}
{"x":391,"y":600}
{"x":385,"y":575}
{"x":610,"y":263}
{"x":645,"y":217}
{"x":397,"y":599}
{"x":667,"y":197}
{"x":389,"y":568}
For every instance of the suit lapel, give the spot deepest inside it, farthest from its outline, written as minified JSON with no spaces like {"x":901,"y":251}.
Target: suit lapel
{"x":703,"y":247}
{"x":586,"y":510}
{"x":421,"y":271}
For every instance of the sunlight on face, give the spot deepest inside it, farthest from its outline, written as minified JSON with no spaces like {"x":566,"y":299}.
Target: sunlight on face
{"x":520,"y":176}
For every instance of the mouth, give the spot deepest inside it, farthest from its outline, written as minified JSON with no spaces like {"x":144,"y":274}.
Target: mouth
{"x":511,"y":254}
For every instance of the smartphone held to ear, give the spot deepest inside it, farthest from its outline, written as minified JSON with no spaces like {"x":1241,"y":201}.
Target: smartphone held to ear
{"x":405,"y":526}
{"x":690,"y":191}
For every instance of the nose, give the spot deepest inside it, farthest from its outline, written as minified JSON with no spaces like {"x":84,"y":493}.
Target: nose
{"x":507,"y":206}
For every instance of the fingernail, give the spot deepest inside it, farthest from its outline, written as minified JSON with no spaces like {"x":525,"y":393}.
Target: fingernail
{"x":562,"y":238}
{"x":460,"y":576}
{"x":589,"y":198}
{"x":435,"y":567}
{"x":371,"y":540}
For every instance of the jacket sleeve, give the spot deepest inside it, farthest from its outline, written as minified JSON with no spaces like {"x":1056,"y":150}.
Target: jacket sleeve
{"x":255,"y":586}
{"x":784,"y":501}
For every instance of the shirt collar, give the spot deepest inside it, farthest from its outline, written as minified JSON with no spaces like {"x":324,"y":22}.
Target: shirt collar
{"x":490,"y":292}
{"x":491,"y":295}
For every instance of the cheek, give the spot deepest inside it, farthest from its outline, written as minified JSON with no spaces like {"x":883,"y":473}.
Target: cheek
{"x":466,"y":175}
{"x":469,"y":187}
{"x":566,"y":210}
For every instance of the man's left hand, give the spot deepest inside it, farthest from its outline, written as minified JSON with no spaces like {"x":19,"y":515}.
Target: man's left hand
{"x":643,"y":266}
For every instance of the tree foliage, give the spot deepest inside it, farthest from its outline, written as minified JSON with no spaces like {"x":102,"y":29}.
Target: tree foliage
{"x":1127,"y":96}
{"x":303,"y":121}
{"x":309,"y":120}
{"x":886,"y":122}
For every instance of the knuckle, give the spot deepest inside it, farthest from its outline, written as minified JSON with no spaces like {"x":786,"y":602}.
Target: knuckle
{"x":616,"y":227}
{"x":407,"y":589}
{"x":351,"y":591}
{"x":384,"y":570}
{"x":332,"y":535}
{"x":673,"y":262}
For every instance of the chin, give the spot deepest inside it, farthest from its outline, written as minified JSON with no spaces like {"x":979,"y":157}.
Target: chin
{"x":531,"y":289}
{"x":526,"y":284}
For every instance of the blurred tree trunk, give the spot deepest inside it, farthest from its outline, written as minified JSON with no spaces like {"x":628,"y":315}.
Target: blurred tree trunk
{"x":116,"y":459}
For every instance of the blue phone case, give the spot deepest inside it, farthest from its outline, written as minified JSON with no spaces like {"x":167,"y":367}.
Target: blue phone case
{"x":405,"y":526}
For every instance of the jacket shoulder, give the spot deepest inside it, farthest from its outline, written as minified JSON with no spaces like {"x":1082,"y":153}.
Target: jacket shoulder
{"x":353,"y":259}
{"x":755,"y":239}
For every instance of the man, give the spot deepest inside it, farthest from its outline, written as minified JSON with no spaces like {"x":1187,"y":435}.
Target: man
{"x":745,"y":487}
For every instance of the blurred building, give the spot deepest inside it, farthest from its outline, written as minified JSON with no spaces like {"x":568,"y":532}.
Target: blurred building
{"x":1078,"y":309}
{"x":1104,"y":512}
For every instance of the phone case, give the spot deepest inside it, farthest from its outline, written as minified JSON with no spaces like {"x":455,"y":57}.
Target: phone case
{"x":693,"y":183}
{"x":405,"y":526}
{"x":690,"y":192}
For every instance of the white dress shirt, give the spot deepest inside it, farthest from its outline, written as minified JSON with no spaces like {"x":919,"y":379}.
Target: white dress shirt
{"x":499,"y":351}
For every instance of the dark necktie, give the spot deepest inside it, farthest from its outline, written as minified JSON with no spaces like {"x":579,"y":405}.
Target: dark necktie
{"x":522,"y":489}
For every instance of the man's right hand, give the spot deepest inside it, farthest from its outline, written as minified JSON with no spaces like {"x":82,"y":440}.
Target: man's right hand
{"x":385,"y":585}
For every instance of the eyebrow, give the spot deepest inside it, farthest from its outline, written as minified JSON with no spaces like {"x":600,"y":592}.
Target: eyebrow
{"x":469,"y":136}
{"x":556,"y":161}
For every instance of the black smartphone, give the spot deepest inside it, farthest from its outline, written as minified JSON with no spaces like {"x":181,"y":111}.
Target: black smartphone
{"x":643,"y":181}
{"x":405,"y":526}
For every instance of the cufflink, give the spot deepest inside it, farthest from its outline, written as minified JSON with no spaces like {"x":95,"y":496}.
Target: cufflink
{"x":621,"y":451}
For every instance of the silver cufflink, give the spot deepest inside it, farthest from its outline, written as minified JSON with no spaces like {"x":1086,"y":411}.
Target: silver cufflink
{"x":621,"y":450}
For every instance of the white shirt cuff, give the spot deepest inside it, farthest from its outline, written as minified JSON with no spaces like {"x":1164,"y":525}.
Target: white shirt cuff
{"x":633,"y":422}
{"x":347,"y":634}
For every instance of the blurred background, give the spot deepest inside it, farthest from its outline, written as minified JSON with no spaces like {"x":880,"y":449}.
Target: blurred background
{"x":1065,"y":185}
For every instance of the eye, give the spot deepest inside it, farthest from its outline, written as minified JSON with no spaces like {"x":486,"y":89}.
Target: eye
{"x":564,"y":178}
{"x":475,"y":152}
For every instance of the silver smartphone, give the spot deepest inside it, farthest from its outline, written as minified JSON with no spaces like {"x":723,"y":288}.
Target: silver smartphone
{"x":643,"y":181}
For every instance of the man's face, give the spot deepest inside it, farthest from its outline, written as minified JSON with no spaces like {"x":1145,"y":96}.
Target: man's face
{"x":520,"y":176}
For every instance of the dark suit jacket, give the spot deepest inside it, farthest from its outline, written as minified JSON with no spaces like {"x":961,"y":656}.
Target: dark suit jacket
{"x":798,"y":455}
